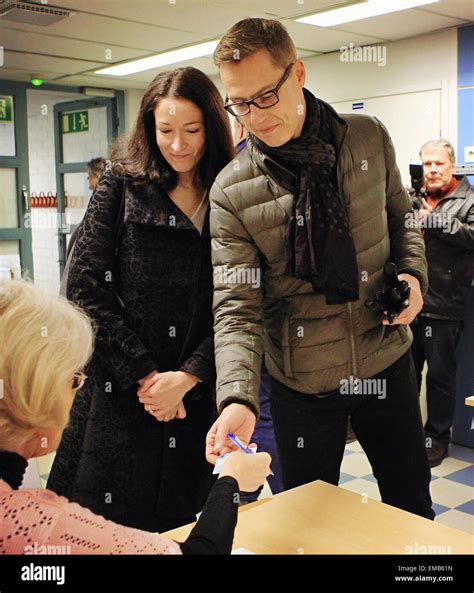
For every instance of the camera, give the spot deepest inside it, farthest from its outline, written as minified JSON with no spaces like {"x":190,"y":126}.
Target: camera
{"x":416,"y":191}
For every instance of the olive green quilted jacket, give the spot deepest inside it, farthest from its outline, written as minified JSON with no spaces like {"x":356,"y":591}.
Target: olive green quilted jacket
{"x":309,"y":346}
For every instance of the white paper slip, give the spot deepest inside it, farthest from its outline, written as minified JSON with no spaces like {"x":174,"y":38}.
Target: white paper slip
{"x":238,"y":551}
{"x":222,"y":458}
{"x":219,"y":462}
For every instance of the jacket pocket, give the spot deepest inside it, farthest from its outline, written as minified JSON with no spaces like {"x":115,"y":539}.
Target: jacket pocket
{"x":440,"y":285}
{"x":462,"y":275}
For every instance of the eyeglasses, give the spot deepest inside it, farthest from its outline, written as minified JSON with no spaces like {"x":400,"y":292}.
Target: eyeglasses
{"x":263,"y":101}
{"x":78,"y":380}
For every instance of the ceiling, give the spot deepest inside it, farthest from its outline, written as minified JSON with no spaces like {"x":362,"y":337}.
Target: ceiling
{"x":104,"y":32}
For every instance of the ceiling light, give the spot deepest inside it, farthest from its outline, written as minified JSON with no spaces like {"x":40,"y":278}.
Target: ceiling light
{"x":96,"y":92}
{"x":357,"y":12}
{"x":31,"y":13}
{"x":169,"y":57}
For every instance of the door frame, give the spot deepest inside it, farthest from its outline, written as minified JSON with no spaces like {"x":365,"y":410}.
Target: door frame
{"x":20,"y":162}
{"x":63,"y":168}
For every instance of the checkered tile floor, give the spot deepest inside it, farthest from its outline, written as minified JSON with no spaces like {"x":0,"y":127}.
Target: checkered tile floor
{"x":452,"y":484}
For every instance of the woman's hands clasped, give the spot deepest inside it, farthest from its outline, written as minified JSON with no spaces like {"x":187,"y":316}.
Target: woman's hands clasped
{"x":162,"y":393}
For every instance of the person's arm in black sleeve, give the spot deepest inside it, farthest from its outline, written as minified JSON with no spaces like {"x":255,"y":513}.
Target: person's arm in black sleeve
{"x":456,"y":233}
{"x":201,"y":363}
{"x":214,"y":532}
{"x":88,"y":283}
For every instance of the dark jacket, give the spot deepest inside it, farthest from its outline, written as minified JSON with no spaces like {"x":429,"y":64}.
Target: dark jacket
{"x":449,"y":240}
{"x":309,"y":345}
{"x":155,"y":473}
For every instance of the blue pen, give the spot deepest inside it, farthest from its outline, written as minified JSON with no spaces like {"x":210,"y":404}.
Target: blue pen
{"x":239,"y":443}
{"x":241,"y":446}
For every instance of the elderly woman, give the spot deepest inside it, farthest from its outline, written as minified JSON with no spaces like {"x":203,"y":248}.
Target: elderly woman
{"x":46,"y":341}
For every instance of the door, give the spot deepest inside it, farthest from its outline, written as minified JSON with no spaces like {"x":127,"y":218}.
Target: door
{"x":15,"y":215}
{"x":83,"y":130}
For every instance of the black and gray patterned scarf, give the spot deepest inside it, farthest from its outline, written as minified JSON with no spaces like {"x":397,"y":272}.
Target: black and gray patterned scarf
{"x":319,"y":244}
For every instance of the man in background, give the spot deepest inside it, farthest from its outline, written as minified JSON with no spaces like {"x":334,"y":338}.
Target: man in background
{"x":447,"y":219}
{"x":95,"y":168}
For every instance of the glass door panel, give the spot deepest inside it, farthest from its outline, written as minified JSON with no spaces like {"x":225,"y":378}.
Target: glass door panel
{"x":10,"y":266}
{"x":7,"y":125}
{"x":77,"y":193}
{"x":8,"y":199}
{"x":15,"y":214}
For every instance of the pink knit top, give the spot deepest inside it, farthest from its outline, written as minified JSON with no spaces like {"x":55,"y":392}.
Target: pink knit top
{"x":33,"y":519}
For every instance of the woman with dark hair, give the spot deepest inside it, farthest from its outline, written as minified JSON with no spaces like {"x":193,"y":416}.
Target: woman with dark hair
{"x":134,"y":450}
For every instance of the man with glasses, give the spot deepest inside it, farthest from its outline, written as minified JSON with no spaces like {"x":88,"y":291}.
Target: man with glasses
{"x":313,"y":208}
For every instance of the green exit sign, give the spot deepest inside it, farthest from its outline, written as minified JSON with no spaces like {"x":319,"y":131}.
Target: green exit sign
{"x":75,"y":121}
{"x":6,"y":109}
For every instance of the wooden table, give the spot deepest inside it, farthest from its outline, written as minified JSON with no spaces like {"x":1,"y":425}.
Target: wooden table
{"x":320,"y":518}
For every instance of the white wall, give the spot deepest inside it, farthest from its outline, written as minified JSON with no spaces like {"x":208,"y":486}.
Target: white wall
{"x":133,"y":98}
{"x":419,"y":70}
{"x":414,"y":64}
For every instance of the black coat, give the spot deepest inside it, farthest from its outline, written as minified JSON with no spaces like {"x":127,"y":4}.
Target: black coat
{"x":449,"y":240}
{"x":114,"y":457}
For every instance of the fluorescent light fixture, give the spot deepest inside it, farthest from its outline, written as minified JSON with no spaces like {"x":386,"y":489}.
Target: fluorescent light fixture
{"x":169,"y":57}
{"x":357,"y":12}
{"x":96,"y":92}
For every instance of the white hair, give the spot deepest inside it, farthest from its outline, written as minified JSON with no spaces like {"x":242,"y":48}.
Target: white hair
{"x":440,"y":143}
{"x":45,"y":339}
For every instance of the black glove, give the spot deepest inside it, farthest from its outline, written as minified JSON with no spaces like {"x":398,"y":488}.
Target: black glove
{"x":394,"y":297}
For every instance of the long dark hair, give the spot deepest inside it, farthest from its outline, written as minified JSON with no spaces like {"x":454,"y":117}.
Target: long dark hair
{"x":143,"y":159}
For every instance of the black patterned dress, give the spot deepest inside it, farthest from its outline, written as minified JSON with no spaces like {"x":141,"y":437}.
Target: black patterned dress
{"x":114,"y":457}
